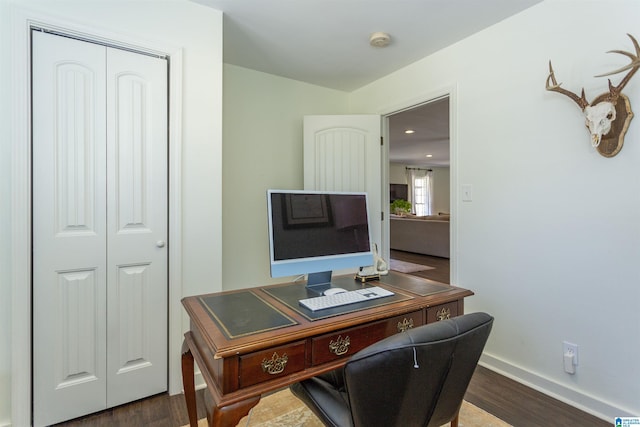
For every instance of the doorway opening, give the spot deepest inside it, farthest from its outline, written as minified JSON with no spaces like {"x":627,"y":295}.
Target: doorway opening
{"x":419,"y":171}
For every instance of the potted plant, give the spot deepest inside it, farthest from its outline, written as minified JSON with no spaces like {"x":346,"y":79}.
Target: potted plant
{"x":400,"y":207}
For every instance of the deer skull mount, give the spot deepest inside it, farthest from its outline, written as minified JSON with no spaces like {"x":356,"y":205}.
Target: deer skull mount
{"x":609,"y":114}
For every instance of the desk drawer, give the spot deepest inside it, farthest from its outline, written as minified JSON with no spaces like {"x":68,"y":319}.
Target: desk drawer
{"x":442,"y":312}
{"x":336,"y":345}
{"x":347,"y":342}
{"x":272,"y":363}
{"x":404,"y":322}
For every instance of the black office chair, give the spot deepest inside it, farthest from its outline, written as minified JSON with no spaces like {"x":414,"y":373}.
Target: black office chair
{"x":414,"y":378}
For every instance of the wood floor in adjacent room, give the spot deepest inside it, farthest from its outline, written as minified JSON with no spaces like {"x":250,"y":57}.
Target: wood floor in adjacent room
{"x":440,"y":271}
{"x":508,"y":400}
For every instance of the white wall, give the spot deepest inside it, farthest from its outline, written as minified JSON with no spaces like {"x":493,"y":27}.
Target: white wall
{"x":397,"y":173}
{"x":262,"y":149}
{"x":194,"y":31}
{"x":5,"y":226}
{"x":551,"y":241}
{"x":441,"y":190}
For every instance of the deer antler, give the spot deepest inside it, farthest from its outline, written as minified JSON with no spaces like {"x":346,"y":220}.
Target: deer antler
{"x":614,"y":91}
{"x":555,"y":87}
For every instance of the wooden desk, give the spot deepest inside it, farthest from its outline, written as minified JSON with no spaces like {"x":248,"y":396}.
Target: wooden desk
{"x":253,"y":341}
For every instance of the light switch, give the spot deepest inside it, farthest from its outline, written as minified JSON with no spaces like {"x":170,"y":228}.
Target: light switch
{"x":467,"y":192}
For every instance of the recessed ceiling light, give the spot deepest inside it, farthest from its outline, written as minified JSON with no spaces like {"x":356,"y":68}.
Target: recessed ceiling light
{"x":429,"y":155}
{"x":409,"y":131}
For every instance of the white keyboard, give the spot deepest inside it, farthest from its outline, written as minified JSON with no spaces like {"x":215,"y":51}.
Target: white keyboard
{"x":344,"y":298}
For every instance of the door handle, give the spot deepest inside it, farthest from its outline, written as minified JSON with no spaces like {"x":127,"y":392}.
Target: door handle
{"x":160,"y":243}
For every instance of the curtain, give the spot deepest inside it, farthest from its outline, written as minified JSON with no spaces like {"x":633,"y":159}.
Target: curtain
{"x":420,"y":183}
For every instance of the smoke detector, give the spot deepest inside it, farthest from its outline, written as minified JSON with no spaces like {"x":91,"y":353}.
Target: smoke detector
{"x":379,"y":39}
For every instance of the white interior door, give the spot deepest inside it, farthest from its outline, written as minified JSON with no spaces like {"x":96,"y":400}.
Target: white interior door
{"x":342,"y":153}
{"x":136,"y":226}
{"x":99,"y":227}
{"x":69,"y":229}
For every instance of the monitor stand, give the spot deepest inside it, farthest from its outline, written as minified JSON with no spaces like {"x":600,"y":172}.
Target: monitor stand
{"x":317,"y":283}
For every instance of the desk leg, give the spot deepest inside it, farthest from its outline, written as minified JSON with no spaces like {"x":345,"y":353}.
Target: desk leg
{"x":188,"y":384}
{"x":230,"y":416}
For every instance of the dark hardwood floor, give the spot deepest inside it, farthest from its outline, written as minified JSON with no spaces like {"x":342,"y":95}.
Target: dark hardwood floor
{"x":160,"y":410}
{"x":522,"y":406}
{"x":508,"y":400}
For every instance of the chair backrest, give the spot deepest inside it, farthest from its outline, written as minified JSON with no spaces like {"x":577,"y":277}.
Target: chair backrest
{"x":418,"y":377}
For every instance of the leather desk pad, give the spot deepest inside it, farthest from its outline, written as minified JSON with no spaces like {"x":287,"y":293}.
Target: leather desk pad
{"x":244,"y":313}
{"x":413,"y":284}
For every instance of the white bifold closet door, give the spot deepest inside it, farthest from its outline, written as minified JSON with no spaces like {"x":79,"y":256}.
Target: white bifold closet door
{"x":99,"y":227}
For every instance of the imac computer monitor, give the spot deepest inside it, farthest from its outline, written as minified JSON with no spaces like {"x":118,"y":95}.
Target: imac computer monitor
{"x":317,"y":232}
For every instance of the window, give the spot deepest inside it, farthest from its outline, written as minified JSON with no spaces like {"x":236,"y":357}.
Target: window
{"x":420,"y":190}
{"x":421,"y":195}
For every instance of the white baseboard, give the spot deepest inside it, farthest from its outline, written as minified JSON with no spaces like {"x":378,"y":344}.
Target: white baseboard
{"x":604,"y":410}
{"x":199,"y":380}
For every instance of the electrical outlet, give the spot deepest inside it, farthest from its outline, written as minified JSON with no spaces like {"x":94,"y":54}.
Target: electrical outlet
{"x":568,"y":347}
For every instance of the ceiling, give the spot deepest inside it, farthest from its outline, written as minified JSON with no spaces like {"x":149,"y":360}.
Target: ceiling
{"x":430,"y":123}
{"x":326,"y":43}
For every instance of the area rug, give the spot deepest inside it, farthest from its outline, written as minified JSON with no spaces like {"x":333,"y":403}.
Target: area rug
{"x":283,"y":409}
{"x":407,"y":267}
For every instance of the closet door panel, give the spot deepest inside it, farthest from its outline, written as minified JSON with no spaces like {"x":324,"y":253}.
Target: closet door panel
{"x":137,"y":226}
{"x":69,"y":229}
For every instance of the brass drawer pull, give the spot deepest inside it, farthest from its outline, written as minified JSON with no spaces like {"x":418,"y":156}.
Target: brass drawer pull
{"x":275,"y":365}
{"x":340,"y":346}
{"x":443,"y":313}
{"x":405,"y":325}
